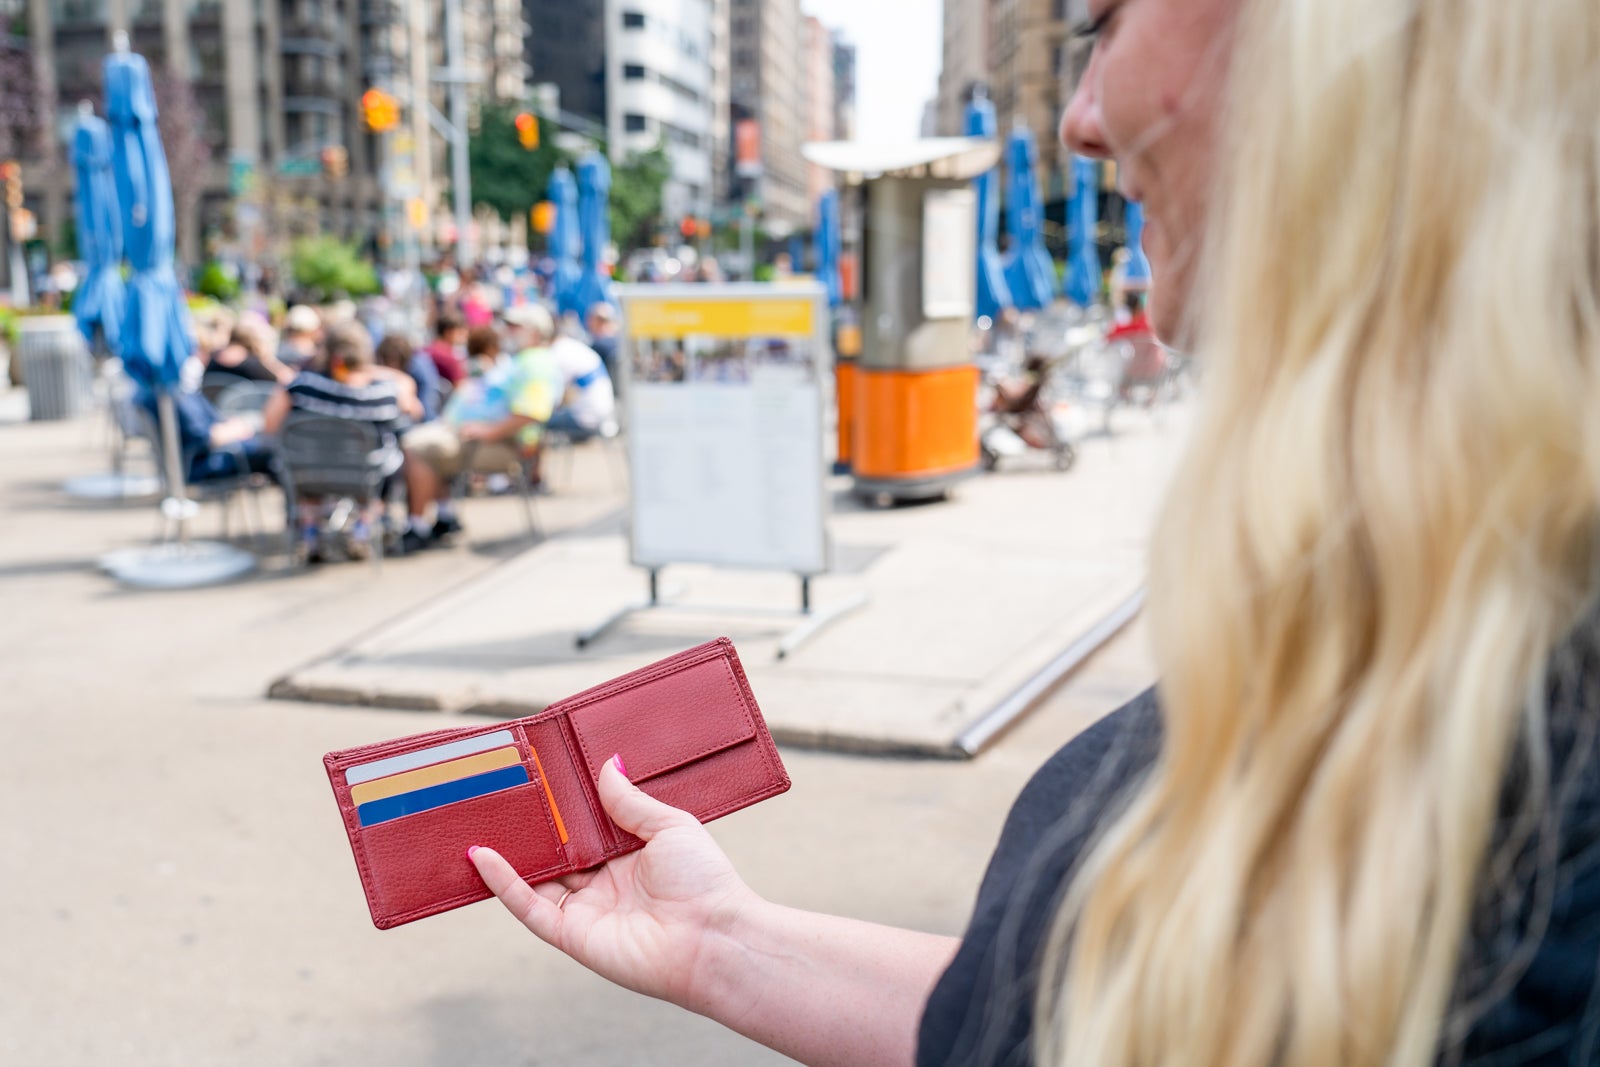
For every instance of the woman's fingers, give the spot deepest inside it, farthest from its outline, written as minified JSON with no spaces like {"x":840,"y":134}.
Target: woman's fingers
{"x":634,"y":810}
{"x":534,"y":909}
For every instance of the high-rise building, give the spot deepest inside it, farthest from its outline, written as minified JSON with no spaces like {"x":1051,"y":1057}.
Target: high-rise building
{"x":721,"y":87}
{"x":566,"y":47}
{"x":844,"y":88}
{"x":767,"y":106}
{"x":273,"y":88}
{"x":821,"y":112}
{"x":645,"y":72}
{"x":965,"y":64}
{"x":1029,"y":52}
{"x":659,"y":91}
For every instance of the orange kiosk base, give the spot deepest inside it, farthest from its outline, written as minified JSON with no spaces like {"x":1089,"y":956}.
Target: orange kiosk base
{"x":915,"y":431}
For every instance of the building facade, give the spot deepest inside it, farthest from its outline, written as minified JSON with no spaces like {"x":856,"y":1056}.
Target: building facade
{"x":965,"y":65}
{"x":821,"y":113}
{"x":1029,"y":57}
{"x":266,"y":137}
{"x":844,"y":88}
{"x":659,"y":90}
{"x":767,"y":89}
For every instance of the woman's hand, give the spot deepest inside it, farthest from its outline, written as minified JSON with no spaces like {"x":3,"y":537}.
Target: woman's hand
{"x":645,"y":920}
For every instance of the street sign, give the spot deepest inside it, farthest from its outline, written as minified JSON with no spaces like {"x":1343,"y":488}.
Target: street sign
{"x":300,"y":168}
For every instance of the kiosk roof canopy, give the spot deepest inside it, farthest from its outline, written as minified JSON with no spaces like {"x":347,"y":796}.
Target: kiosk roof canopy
{"x":958,"y":158}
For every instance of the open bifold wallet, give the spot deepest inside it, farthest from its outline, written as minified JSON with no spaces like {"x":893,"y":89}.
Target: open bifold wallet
{"x":688,"y":731}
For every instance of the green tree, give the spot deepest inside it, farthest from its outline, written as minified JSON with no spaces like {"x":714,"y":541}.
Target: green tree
{"x":331,"y":269}
{"x":505,"y":176}
{"x":636,"y":186}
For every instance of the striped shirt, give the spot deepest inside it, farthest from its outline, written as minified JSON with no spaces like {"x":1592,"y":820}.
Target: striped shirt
{"x":376,"y":403}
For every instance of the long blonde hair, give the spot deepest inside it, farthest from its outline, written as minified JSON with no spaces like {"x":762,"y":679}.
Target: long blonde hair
{"x":1385,"y":524}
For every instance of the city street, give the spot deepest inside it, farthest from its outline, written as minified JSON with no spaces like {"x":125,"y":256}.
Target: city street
{"x":178,"y":888}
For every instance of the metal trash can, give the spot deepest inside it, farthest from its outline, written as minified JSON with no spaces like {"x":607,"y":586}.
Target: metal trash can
{"x":56,"y":367}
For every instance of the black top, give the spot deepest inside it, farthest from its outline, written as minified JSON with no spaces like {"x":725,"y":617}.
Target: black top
{"x":1527,"y":992}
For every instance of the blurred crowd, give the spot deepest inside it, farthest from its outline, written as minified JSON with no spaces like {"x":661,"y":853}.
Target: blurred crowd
{"x":470,"y":401}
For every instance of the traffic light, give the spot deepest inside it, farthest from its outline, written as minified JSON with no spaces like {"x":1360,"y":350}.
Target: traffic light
{"x":335,"y":161}
{"x":11,"y":173}
{"x":528,"y":130}
{"x":543,"y":216}
{"x":380,"y":110}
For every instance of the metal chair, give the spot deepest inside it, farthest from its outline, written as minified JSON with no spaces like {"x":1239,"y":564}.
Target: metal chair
{"x":472,"y":463}
{"x":338,"y":458}
{"x":244,"y":398}
{"x":608,"y":437}
{"x":222,"y":488}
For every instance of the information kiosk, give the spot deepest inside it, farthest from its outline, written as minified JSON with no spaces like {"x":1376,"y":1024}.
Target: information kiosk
{"x":913,"y":404}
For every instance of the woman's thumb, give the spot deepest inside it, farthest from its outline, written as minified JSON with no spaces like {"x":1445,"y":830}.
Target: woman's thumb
{"x":631,"y":808}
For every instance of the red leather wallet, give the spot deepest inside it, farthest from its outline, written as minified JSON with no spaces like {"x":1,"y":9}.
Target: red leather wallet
{"x":688,"y":731}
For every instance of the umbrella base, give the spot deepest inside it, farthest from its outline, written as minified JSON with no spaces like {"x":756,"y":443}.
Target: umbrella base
{"x":175,"y":565}
{"x":108,"y":486}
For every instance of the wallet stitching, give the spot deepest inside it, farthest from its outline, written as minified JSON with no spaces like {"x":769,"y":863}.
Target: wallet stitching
{"x":369,"y":879}
{"x":715,"y":746}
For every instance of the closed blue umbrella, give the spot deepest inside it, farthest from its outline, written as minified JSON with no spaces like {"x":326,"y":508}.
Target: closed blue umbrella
{"x":826,"y":239}
{"x":156,"y":337}
{"x":565,"y":242}
{"x":1138,"y":266}
{"x":100,"y":301}
{"x":994,"y":294}
{"x":1029,"y":269}
{"x":1083,"y":258}
{"x":594,"y":220}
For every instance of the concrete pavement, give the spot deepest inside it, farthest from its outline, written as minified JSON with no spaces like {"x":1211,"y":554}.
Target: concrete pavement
{"x":965,"y":602}
{"x":175,"y":887}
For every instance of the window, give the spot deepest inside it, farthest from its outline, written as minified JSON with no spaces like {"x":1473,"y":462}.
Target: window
{"x":633,"y":20}
{"x":633,"y":72}
{"x":635,"y":123}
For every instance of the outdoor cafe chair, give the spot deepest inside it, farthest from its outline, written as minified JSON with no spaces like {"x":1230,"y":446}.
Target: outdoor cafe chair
{"x":338,"y":458}
{"x":221,"y":488}
{"x":472,"y":463}
{"x":248,"y":399}
{"x":608,"y":437}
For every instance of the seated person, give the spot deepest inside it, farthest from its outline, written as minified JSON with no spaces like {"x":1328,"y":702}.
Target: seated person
{"x":397,"y":353}
{"x":588,"y":401}
{"x":248,"y":355}
{"x":1135,"y":323}
{"x":301,"y":342}
{"x":353,"y":388}
{"x":497,"y":411}
{"x":449,"y":347}
{"x":213,"y":447}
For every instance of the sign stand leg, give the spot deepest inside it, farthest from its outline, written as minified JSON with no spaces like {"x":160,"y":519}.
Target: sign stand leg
{"x":815,"y":621}
{"x":593,"y":634}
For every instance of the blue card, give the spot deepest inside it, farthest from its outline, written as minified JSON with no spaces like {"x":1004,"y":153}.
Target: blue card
{"x":435,"y":796}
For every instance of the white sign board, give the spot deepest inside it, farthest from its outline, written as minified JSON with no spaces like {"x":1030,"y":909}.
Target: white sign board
{"x":949,"y":248}
{"x":725,"y":389}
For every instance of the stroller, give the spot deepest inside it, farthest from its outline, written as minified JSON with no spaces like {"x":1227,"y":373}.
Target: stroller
{"x":1018,"y":417}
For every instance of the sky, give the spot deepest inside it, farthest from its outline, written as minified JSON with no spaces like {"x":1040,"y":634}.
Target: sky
{"x":898,"y":46}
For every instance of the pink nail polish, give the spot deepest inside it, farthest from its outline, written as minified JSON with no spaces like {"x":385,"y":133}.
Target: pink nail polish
{"x":623,"y":767}
{"x":470,"y":850}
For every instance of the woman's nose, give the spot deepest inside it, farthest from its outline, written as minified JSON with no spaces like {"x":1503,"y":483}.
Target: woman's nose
{"x":1082,"y":128}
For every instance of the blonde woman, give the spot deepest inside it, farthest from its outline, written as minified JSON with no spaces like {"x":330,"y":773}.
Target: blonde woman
{"x":1361,"y":824}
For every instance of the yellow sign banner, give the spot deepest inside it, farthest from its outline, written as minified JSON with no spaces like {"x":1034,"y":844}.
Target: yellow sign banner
{"x":687,"y":316}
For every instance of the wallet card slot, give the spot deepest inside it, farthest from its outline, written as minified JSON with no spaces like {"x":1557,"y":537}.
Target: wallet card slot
{"x":417,"y":864}
{"x":573,"y":796}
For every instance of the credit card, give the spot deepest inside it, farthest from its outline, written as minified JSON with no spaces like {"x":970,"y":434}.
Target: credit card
{"x":437,"y":796}
{"x":437,"y":774}
{"x":422,"y":757}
